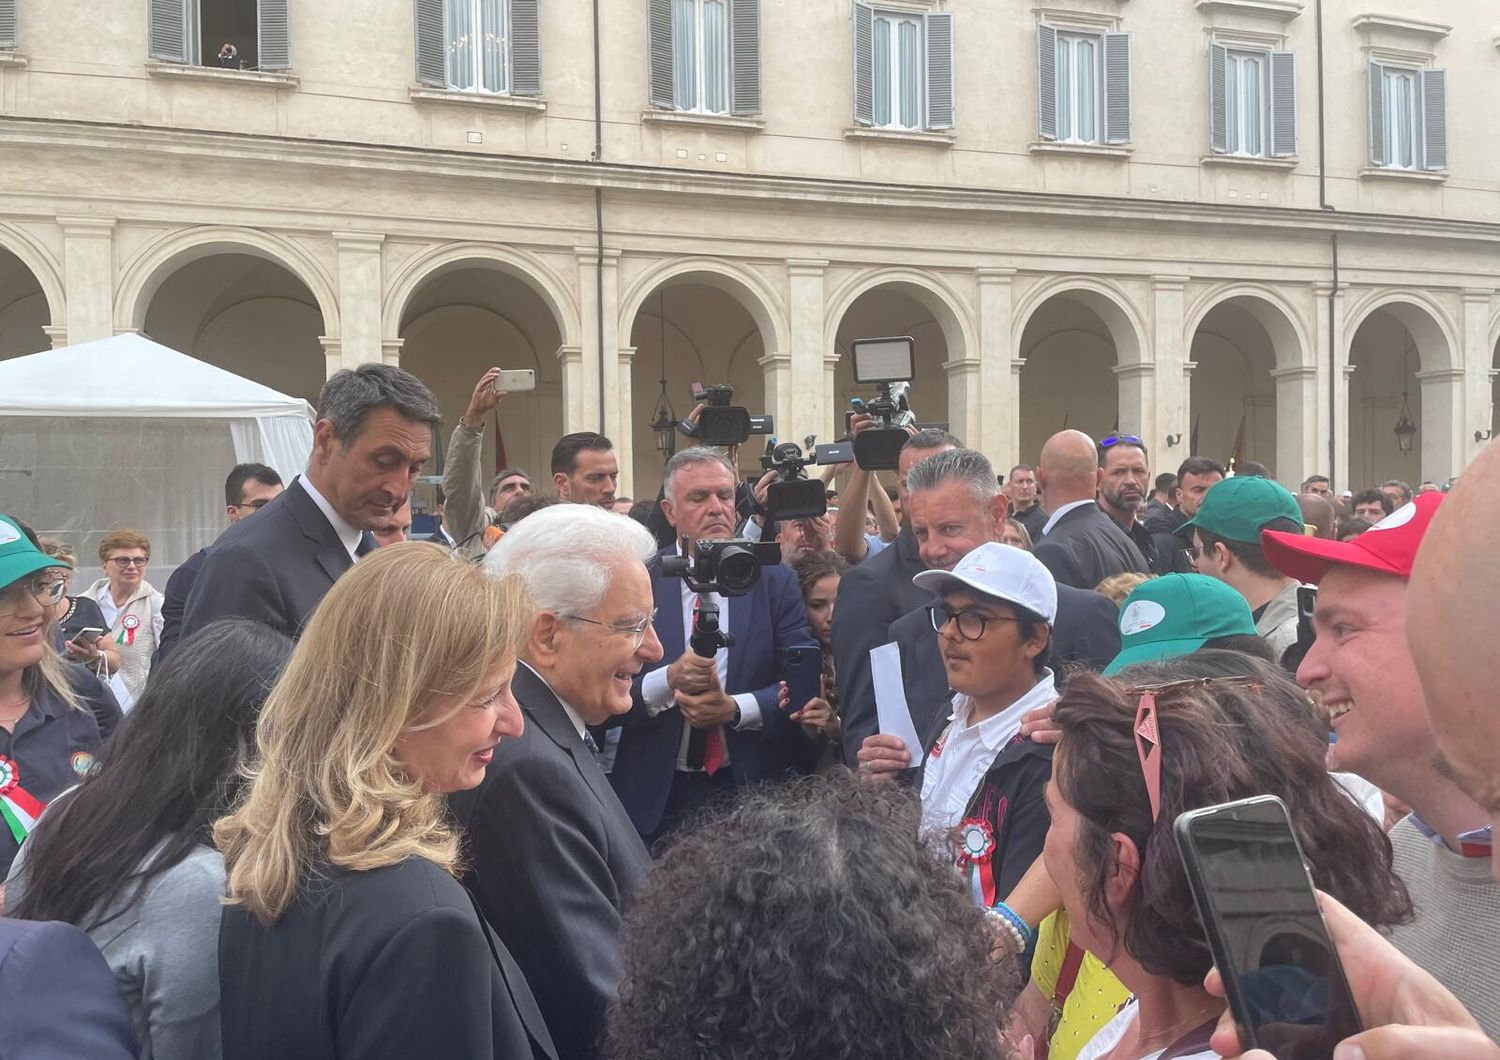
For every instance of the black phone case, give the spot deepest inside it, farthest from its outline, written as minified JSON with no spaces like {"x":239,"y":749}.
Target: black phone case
{"x":804,"y":669}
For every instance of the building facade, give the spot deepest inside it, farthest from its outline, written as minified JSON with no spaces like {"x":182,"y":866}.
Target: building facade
{"x":1254,"y":228}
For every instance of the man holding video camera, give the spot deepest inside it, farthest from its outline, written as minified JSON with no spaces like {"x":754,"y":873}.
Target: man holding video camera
{"x":700,"y":724}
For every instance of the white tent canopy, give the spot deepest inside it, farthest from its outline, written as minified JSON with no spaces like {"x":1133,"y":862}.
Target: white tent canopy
{"x":124,"y":432}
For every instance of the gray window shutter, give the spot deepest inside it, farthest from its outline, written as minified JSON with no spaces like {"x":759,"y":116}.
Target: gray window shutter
{"x":1218,"y":99}
{"x":275,"y":35}
{"x":1046,"y":82}
{"x":8,"y":35}
{"x":1283,"y":105}
{"x":1117,"y":88}
{"x":166,"y":28}
{"x":432,"y":43}
{"x":525,"y":48}
{"x":864,"y":64}
{"x":744,"y":56}
{"x":1434,"y":119}
{"x":939,"y":70}
{"x":1377,"y":115}
{"x":660,"y":55}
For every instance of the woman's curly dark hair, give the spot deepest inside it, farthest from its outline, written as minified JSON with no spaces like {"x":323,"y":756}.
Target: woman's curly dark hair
{"x":808,"y":923}
{"x":1219,"y":742}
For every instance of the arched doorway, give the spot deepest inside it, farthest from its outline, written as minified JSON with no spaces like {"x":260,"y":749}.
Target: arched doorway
{"x":1068,"y":380}
{"x":890,"y":309}
{"x":468,"y":316}
{"x":1233,"y":394}
{"x":688,"y":331}
{"x":1390,"y":346}
{"x":23,"y":309}
{"x":246,"y":314}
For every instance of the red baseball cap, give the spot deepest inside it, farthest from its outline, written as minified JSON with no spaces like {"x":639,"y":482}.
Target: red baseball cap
{"x":1390,"y":546}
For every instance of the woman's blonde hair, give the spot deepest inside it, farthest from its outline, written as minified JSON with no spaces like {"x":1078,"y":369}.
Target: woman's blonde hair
{"x":405,"y":626}
{"x":1118,"y":586}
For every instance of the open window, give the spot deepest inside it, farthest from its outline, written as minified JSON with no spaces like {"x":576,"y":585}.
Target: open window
{"x":705,"y":56}
{"x":1408,"y":117}
{"x":226,"y":34}
{"x":481,"y":46}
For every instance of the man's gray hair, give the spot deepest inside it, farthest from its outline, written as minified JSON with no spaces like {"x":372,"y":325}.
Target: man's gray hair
{"x":698,"y":454}
{"x":966,"y":466}
{"x":351,"y":394}
{"x":567,"y":554}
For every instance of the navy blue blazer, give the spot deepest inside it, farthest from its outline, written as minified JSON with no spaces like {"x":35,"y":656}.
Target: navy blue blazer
{"x":59,"y":997}
{"x":764,"y":623}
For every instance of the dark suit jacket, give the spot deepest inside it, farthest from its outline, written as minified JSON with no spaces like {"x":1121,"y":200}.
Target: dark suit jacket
{"x":1086,"y":633}
{"x":765,"y":623}
{"x":553,"y":859}
{"x":59,"y":997}
{"x":1086,"y":546}
{"x":274,"y":568}
{"x":1033,"y":519}
{"x":393,"y":962}
{"x":174,"y":603}
{"x":871,"y":596}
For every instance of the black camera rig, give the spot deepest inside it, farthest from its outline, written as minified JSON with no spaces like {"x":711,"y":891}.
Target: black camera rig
{"x":719,"y":422}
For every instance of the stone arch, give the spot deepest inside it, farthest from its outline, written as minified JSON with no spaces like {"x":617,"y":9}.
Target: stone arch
{"x":743,"y":285}
{"x":150,"y":268}
{"x":929,"y":289}
{"x":42,"y":265}
{"x":520,"y":265}
{"x":1109,"y":301}
{"x":1431,"y":328}
{"x":1272,"y":310}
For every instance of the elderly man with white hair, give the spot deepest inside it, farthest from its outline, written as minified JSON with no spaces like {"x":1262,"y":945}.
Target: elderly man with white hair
{"x":553,"y":855}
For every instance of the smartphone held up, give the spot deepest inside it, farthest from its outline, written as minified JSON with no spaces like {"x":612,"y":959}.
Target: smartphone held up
{"x":512,"y":381}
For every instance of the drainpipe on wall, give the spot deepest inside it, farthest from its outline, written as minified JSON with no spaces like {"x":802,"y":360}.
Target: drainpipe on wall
{"x":1333,"y":244}
{"x":598,"y":156}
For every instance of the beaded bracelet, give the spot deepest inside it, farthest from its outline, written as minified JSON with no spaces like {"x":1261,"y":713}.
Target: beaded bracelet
{"x":1018,"y":928}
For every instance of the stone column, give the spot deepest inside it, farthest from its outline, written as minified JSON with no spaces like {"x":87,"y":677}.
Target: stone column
{"x":832,"y":424}
{"x":56,"y":333}
{"x":1297,"y":445}
{"x":390,"y":351}
{"x":1165,"y":408}
{"x":777,"y":369}
{"x":1441,"y":441}
{"x":624,"y":436}
{"x":585,"y":384}
{"x":964,"y":414}
{"x":1478,"y":372}
{"x":89,"y":277}
{"x":1013,"y":429}
{"x":1333,"y":387}
{"x":359,"y":294}
{"x":802,"y":411}
{"x":996,"y":429}
{"x":333,"y":354}
{"x":575,"y":394}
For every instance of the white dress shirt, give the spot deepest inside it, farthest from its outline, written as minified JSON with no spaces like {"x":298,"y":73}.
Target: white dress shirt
{"x":964,"y":754}
{"x":1064,"y":510}
{"x":658,"y":695}
{"x":349,"y":534}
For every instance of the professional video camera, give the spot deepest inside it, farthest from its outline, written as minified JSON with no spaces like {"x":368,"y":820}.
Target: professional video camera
{"x":720,"y":423}
{"x":890,"y":364}
{"x":793,"y":495}
{"x":730,"y":567}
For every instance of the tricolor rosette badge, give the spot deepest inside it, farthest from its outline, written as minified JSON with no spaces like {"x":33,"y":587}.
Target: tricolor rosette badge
{"x":17,"y":805}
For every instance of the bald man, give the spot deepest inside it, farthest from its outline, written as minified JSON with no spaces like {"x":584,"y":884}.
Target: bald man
{"x":1080,"y":545}
{"x":1452,"y":624}
{"x":1317,"y":511}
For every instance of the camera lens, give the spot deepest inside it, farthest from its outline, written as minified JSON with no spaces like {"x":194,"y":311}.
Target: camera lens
{"x":738,"y":570}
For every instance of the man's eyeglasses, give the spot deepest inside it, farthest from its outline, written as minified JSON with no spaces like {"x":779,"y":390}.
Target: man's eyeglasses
{"x":129,"y":561}
{"x":1119,"y":439}
{"x":970,"y":623}
{"x":45,"y":589}
{"x":636,"y":630}
{"x":255,"y":505}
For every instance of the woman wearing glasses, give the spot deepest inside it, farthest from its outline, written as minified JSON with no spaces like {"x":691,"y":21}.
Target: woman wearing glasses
{"x":51,"y":713}
{"x":981,"y":785}
{"x":132,"y":608}
{"x":1114,"y":797}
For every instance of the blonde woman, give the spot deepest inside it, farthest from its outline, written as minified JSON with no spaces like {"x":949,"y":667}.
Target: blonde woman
{"x":346,"y":934}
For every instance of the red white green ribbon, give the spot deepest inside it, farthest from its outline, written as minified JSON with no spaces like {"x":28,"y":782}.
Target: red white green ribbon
{"x":18,"y":807}
{"x":976,"y":853}
{"x":128,"y":626}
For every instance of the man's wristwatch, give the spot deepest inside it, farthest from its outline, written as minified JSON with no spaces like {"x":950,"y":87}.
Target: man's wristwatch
{"x":734,"y":722}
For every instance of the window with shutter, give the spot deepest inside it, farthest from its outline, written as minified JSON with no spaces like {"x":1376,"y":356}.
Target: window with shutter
{"x":1375,"y":86}
{"x":660,"y":58}
{"x":864,"y":64}
{"x":432,"y":42}
{"x":525,"y":48}
{"x":744,"y":48}
{"x":1079,"y":64}
{"x":1283,"y":105}
{"x":700,"y":56}
{"x":1434,"y":90}
{"x":1116,"y":88}
{"x":939,"y":38}
{"x":1253,"y":100}
{"x":1218,"y":98}
{"x":275,"y":44}
{"x":476,"y":46}
{"x":168,"y":30}
{"x":9,"y":35}
{"x":1046,"y":82}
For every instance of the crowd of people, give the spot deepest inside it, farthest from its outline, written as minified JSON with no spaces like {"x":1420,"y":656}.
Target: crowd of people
{"x":523,"y":789}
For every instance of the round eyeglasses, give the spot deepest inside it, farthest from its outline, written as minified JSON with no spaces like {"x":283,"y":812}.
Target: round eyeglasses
{"x":45,"y":589}
{"x":970,"y":623}
{"x":636,"y":630}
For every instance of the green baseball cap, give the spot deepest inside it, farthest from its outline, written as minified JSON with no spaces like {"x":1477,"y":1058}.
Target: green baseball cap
{"x":1238,"y":508}
{"x":18,"y":556}
{"x":1177,"y":614}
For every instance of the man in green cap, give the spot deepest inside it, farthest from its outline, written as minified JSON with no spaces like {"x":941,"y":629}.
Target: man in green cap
{"x":1177,"y":614}
{"x":1226,"y":545}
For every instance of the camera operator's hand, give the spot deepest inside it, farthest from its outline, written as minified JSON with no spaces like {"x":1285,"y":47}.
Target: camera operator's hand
{"x":860,"y":421}
{"x":692,"y":674}
{"x":881,"y":757}
{"x":1413,"y":1016}
{"x":714,"y":707}
{"x":485,"y":398}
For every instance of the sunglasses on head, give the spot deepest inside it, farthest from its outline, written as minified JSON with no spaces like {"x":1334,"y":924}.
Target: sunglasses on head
{"x":1119,"y":439}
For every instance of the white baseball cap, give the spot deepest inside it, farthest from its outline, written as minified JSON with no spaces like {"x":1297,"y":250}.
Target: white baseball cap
{"x":1002,"y":572}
